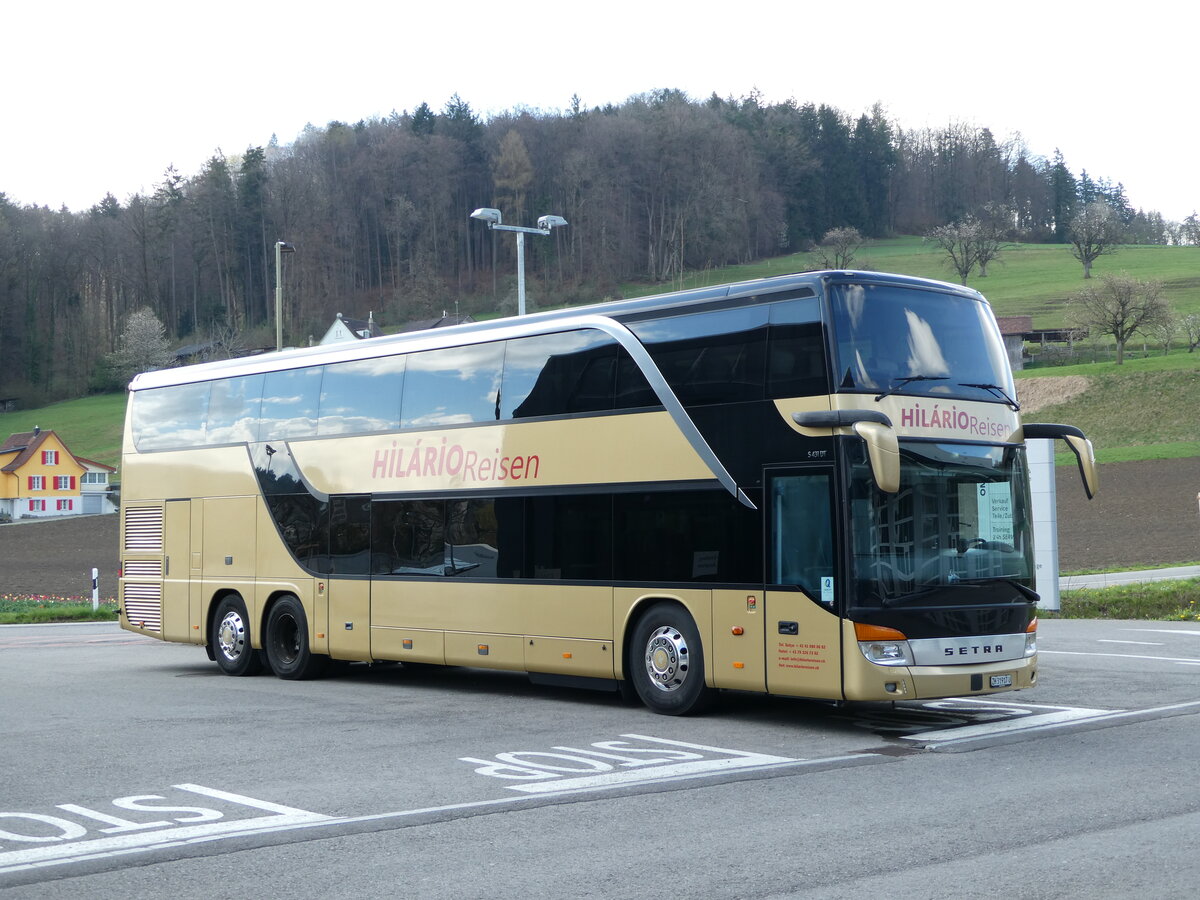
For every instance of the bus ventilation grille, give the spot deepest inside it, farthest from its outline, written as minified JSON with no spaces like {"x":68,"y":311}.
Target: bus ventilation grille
{"x":144,"y":528}
{"x":143,"y":605}
{"x":143,"y":568}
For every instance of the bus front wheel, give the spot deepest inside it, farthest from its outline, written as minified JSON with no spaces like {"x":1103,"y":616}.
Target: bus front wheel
{"x":666,"y":662}
{"x":229,"y":641}
{"x":286,"y":642}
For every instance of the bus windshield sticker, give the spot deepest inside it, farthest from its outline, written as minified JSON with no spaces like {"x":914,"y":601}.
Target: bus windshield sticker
{"x":827,"y":590}
{"x":996,"y":512}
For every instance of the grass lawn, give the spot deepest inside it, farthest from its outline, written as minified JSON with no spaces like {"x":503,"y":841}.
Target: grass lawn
{"x":90,"y":426}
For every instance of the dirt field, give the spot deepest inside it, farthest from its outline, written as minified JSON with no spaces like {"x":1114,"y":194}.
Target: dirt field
{"x":1145,"y":514}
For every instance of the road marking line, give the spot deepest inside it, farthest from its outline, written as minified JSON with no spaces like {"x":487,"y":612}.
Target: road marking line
{"x":1178,"y":659}
{"x":1136,"y":643}
{"x":1166,"y":630}
{"x":1023,"y":726}
{"x":1004,"y":725}
{"x":98,"y":848}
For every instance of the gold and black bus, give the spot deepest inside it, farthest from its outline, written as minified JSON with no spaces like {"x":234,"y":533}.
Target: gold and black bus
{"x":813,"y":485}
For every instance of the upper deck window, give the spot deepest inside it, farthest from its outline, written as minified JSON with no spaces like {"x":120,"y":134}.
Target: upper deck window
{"x":908,"y":341}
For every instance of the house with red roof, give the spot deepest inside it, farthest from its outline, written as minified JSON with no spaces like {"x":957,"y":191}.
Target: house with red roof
{"x":40,"y":476}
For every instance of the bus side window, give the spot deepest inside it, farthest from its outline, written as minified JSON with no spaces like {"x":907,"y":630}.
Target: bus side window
{"x":362,"y":397}
{"x":408,"y":537}
{"x":796,"y":355}
{"x":289,"y":404}
{"x":802,"y":531}
{"x":454,"y":386}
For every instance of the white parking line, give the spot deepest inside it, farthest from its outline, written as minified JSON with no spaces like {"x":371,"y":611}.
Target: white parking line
{"x":1192,"y":661}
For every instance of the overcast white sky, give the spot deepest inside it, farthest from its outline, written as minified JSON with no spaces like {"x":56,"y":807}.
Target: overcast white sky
{"x":102,"y":97}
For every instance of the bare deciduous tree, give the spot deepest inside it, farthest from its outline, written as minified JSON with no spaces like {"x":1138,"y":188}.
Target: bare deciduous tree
{"x":960,"y":241}
{"x":1121,"y":306}
{"x":1094,"y":232}
{"x":995,"y":223}
{"x":837,"y":248}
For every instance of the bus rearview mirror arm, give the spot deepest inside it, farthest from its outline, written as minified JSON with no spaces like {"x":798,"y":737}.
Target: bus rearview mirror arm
{"x":883,"y":447}
{"x":1076,"y":440}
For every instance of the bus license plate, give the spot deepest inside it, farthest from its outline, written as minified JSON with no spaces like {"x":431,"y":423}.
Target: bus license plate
{"x":998,"y":681}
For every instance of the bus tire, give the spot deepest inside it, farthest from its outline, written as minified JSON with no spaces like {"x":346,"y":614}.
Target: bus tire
{"x":229,"y":640}
{"x":286,"y":642}
{"x":666,"y":662}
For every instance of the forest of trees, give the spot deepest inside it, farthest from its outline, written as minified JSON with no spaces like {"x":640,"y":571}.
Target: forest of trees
{"x":379,"y":214}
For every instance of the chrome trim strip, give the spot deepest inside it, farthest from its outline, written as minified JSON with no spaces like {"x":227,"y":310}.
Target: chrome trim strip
{"x":962,"y":651}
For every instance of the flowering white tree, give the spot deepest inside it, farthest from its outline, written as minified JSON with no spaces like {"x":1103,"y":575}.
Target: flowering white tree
{"x":143,"y":344}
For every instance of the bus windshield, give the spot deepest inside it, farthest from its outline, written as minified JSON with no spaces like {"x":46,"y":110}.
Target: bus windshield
{"x":959,"y":523}
{"x":891,"y":339}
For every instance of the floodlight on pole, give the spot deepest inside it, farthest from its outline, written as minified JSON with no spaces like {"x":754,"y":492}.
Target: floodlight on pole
{"x":281,"y":247}
{"x":494,"y":221}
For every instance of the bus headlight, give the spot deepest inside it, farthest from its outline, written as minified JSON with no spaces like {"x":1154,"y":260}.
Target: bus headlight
{"x":883,"y":646}
{"x":890,"y":653}
{"x":1031,"y":638}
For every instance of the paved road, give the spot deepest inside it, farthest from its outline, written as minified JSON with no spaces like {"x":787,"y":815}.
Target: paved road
{"x":1139,"y":576}
{"x":131,"y":768}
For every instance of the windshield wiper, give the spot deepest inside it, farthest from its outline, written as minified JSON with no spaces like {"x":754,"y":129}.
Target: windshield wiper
{"x":995,"y":389}
{"x":902,"y":382}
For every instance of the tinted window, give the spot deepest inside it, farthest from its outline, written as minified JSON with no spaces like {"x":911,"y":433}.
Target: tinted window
{"x":233,"y":410}
{"x":289,"y":404}
{"x":453,"y":386}
{"x":713,"y":357}
{"x":471,"y":538}
{"x":700,"y":536}
{"x":558,"y":374}
{"x":169,"y":417}
{"x":570,"y":538}
{"x":350,"y":535}
{"x":408,"y":537}
{"x":303,"y":522}
{"x":796,"y":364}
{"x":362,"y":397}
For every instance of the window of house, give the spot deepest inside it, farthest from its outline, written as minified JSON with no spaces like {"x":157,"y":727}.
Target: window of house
{"x":65,"y":504}
{"x":64,"y":482}
{"x":95,"y":478}
{"x":37,"y":482}
{"x":49,"y":457}
{"x":37,"y":505}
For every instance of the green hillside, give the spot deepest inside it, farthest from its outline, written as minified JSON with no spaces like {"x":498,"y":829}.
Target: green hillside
{"x":1027,"y":279}
{"x":90,"y":426}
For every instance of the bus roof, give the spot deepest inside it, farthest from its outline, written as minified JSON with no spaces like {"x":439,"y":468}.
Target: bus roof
{"x":540,"y":322}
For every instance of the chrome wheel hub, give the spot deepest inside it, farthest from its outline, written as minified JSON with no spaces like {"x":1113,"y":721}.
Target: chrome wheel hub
{"x":231,"y":635}
{"x":667,"y":658}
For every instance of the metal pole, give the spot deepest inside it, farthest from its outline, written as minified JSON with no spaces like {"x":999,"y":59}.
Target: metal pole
{"x":278,"y":296}
{"x":520,"y":273}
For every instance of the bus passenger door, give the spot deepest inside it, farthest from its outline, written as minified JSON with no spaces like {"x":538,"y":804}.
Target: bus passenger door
{"x":803,"y":628}
{"x":177,"y":566}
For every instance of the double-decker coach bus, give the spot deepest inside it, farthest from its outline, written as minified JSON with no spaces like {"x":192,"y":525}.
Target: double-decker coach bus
{"x":812,"y":485}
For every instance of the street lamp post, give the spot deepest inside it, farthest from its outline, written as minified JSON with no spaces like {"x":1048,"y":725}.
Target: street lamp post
{"x":281,"y":247}
{"x":545,"y":225}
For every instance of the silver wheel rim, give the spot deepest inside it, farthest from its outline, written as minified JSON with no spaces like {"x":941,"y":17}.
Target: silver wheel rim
{"x":231,"y":635}
{"x":667,"y":660}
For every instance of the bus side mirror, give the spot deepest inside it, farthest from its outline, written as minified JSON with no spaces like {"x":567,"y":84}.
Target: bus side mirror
{"x":1079,"y":444}
{"x":883,"y":447}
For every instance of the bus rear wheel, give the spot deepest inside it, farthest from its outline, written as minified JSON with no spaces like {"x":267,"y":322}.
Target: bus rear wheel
{"x":229,"y":641}
{"x":666,"y":662}
{"x":286,"y":642}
